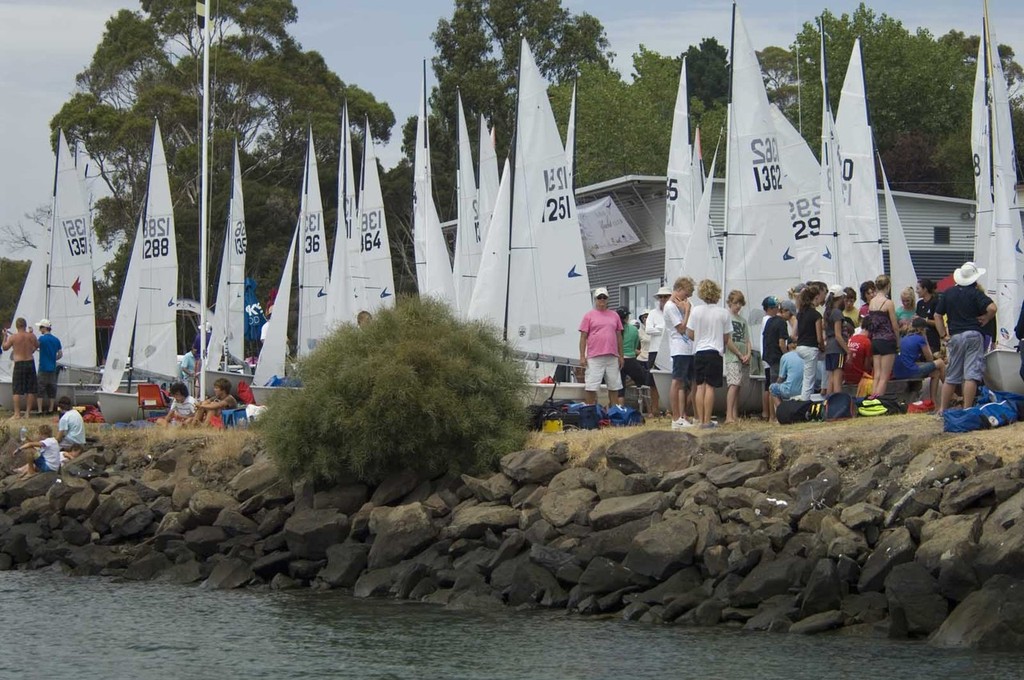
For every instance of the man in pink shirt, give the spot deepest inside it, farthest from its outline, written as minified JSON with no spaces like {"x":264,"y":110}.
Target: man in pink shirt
{"x":601,"y":348}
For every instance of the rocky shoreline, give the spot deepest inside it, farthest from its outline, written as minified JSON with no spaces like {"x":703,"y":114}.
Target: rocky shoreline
{"x":748,"y":530}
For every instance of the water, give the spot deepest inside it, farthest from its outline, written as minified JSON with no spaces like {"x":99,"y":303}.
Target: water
{"x":57,"y":626}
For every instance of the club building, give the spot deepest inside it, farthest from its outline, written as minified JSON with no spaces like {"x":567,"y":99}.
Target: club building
{"x":939,"y":233}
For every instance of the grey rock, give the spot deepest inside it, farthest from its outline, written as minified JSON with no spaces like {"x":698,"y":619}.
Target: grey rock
{"x":861,"y":515}
{"x":735,"y":474}
{"x":1009,"y":513}
{"x":254,"y":479}
{"x":749,"y":446}
{"x":305,"y":570}
{"x":92,"y":559}
{"x":473,"y":521}
{"x":205,"y":541}
{"x":345,"y":563}
{"x":134,"y":522}
{"x":655,"y":451}
{"x":561,"y":508}
{"x":310,"y":532}
{"x":29,"y":487}
{"x":945,"y":534}
{"x":823,"y":591}
{"x":612,"y":512}
{"x":604,"y":576}
{"x":272,"y":564}
{"x":148,"y":567}
{"x":394,"y":487}
{"x":662,"y":549}
{"x":707,"y":613}
{"x":235,"y":523}
{"x":376,"y":583}
{"x":82,"y":503}
{"x":916,"y":608}
{"x":806,"y":467}
{"x":817,"y":493}
{"x":74,"y":533}
{"x":497,"y":487}
{"x":990,"y":619}
{"x":992,"y":487}
{"x":1002,"y":552}
{"x":399,"y":533}
{"x":611,"y":543}
{"x":205,"y":505}
{"x":346,"y":498}
{"x":228,"y":574}
{"x":272,"y":522}
{"x":574,"y":478}
{"x":112,"y":507}
{"x":895,"y":548}
{"x":818,"y":623}
{"x":767,"y":579}
{"x":532,"y":466}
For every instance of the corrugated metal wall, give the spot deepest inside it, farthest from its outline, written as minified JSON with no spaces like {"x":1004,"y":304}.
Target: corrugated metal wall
{"x":642,"y":202}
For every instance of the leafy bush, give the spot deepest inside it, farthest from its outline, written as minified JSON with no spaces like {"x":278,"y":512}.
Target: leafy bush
{"x":414,"y":389}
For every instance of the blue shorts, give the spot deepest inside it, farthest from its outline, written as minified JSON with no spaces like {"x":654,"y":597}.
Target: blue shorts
{"x":834,"y":362}
{"x":41,"y":466}
{"x":682,"y":369}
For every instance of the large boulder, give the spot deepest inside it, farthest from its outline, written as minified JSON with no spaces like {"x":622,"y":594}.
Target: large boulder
{"x":345,"y":563}
{"x":818,"y":623}
{"x":205,"y":505}
{"x":133,"y":523}
{"x":205,"y":541}
{"x":148,"y":567}
{"x":612,"y":512}
{"x":29,"y":487}
{"x":235,"y":523}
{"x":532,"y":466}
{"x":228,"y":574}
{"x":861,"y":515}
{"x":657,"y":451}
{"x":946,"y":534}
{"x":310,"y":532}
{"x":254,"y":479}
{"x":112,"y":507}
{"x":895,"y":548}
{"x":986,"y":488}
{"x":663,"y":548}
{"x":472,"y":521}
{"x":82,"y":503}
{"x":823,"y":592}
{"x":604,"y":576}
{"x":916,"y":608}
{"x":767,"y":579}
{"x":345,"y":498}
{"x":990,"y":619}
{"x":394,"y":487}
{"x":399,"y":533}
{"x":1002,"y":552}
{"x":614,"y":543}
{"x":562,"y":507}
{"x":749,"y":446}
{"x":735,"y":474}
{"x":497,"y":487}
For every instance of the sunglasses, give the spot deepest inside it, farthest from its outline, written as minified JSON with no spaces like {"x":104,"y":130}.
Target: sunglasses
{"x":602,"y":297}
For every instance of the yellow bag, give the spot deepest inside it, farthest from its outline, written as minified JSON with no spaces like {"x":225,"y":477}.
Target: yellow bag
{"x":865,"y":386}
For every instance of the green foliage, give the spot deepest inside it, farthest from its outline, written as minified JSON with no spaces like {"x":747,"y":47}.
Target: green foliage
{"x":415,"y":389}
{"x":266,"y":92}
{"x":12,"y":278}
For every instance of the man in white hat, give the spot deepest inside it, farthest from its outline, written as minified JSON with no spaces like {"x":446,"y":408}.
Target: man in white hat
{"x":967,"y":309}
{"x":601,"y":348}
{"x":50,"y":352}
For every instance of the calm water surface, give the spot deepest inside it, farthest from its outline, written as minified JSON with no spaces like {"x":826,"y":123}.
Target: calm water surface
{"x":55,"y":626}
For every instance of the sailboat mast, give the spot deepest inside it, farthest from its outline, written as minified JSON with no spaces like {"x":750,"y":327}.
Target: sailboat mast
{"x":53,"y":225}
{"x":829,"y":157}
{"x":986,"y":34}
{"x":728,"y":156}
{"x":204,"y":196}
{"x":512,"y":191}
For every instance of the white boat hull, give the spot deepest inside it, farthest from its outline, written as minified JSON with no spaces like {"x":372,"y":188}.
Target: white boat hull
{"x":262,"y":394}
{"x":1002,"y":371}
{"x":230,"y":376}
{"x":749,"y":399}
{"x":118,"y":407}
{"x":538,"y":393}
{"x":80,"y":394}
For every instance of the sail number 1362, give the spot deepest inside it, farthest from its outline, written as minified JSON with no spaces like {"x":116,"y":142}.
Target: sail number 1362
{"x":765,"y":164}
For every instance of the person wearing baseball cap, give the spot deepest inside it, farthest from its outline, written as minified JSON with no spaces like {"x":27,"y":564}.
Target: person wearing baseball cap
{"x":50,"y":351}
{"x":967,"y":310}
{"x":601,"y":348}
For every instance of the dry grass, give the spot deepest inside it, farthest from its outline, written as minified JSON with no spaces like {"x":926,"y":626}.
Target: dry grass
{"x":210,"y":445}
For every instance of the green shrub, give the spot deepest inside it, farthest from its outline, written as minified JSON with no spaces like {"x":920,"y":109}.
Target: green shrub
{"x":414,"y":389}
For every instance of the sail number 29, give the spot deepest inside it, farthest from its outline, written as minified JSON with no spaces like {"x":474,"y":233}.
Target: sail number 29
{"x":765,"y":164}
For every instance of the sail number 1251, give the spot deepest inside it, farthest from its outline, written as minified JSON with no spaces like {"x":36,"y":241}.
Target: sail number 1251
{"x":558,"y":207}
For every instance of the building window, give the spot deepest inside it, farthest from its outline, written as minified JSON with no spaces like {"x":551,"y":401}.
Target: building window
{"x":637,"y":297}
{"x":941,"y":236}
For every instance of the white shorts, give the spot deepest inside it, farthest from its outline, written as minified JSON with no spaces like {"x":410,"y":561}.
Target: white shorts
{"x":603,"y":369}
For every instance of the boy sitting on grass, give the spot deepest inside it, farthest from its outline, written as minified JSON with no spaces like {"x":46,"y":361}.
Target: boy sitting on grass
{"x":183,"y":407}
{"x":208,"y":411}
{"x":44,"y":455}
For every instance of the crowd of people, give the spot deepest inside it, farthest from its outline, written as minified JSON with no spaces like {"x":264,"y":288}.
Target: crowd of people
{"x":818,"y":340}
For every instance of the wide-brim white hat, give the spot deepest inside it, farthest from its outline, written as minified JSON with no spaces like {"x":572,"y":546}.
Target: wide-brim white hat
{"x":968,"y":274}
{"x":664,"y":290}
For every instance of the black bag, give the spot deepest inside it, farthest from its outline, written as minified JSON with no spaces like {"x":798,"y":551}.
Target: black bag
{"x":839,"y":406}
{"x":796,"y":411}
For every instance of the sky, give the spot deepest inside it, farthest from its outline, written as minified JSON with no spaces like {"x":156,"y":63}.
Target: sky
{"x":379,"y":45}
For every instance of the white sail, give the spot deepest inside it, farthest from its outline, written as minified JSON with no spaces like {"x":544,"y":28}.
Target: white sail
{"x":703,"y":260}
{"x":818,"y":254}
{"x":1007,"y":249}
{"x":680,"y":200}
{"x":228,"y":332}
{"x":857,"y":207}
{"x":70,"y":305}
{"x":31,"y":302}
{"x":549,"y":288}
{"x":433,"y":266}
{"x":374,"y":250}
{"x":981,"y":152}
{"x":155,"y":344}
{"x":901,"y":267}
{"x":489,"y":177}
{"x":766,"y":216}
{"x":274,"y":352}
{"x":124,"y":324}
{"x":570,"y":137}
{"x":467,"y":235}
{"x":313,"y":266}
{"x":488,"y":301}
{"x":345,"y":295}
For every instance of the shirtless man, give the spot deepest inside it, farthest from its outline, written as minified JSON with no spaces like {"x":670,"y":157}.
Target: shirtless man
{"x":23,"y":345}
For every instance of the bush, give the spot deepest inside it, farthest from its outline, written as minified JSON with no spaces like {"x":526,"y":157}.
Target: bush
{"x":415,"y":389}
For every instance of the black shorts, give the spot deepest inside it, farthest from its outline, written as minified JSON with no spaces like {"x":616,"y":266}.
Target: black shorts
{"x":682,"y":369}
{"x":884,"y":347}
{"x":651,"y":357}
{"x":633,"y":368}
{"x":23,"y":380}
{"x":707,"y":368}
{"x":47,"y":384}
{"x":835,"y":361}
{"x":770,"y":372}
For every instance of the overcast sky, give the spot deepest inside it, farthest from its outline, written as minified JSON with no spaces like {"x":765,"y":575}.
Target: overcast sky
{"x":379,"y":45}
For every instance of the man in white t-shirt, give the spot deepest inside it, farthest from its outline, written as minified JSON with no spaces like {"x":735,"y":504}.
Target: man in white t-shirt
{"x":677,"y":315}
{"x":70,"y":429}
{"x":655,"y":325}
{"x":709,"y":328}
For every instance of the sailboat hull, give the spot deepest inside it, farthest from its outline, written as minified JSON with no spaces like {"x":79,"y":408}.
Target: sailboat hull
{"x":81,"y":394}
{"x":118,"y":407}
{"x":230,"y":376}
{"x":749,"y":399}
{"x":1002,"y":371}
{"x":262,"y":394}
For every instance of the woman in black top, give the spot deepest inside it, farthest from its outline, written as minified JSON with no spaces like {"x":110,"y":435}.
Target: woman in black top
{"x":927,"y":299}
{"x":810,"y":338}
